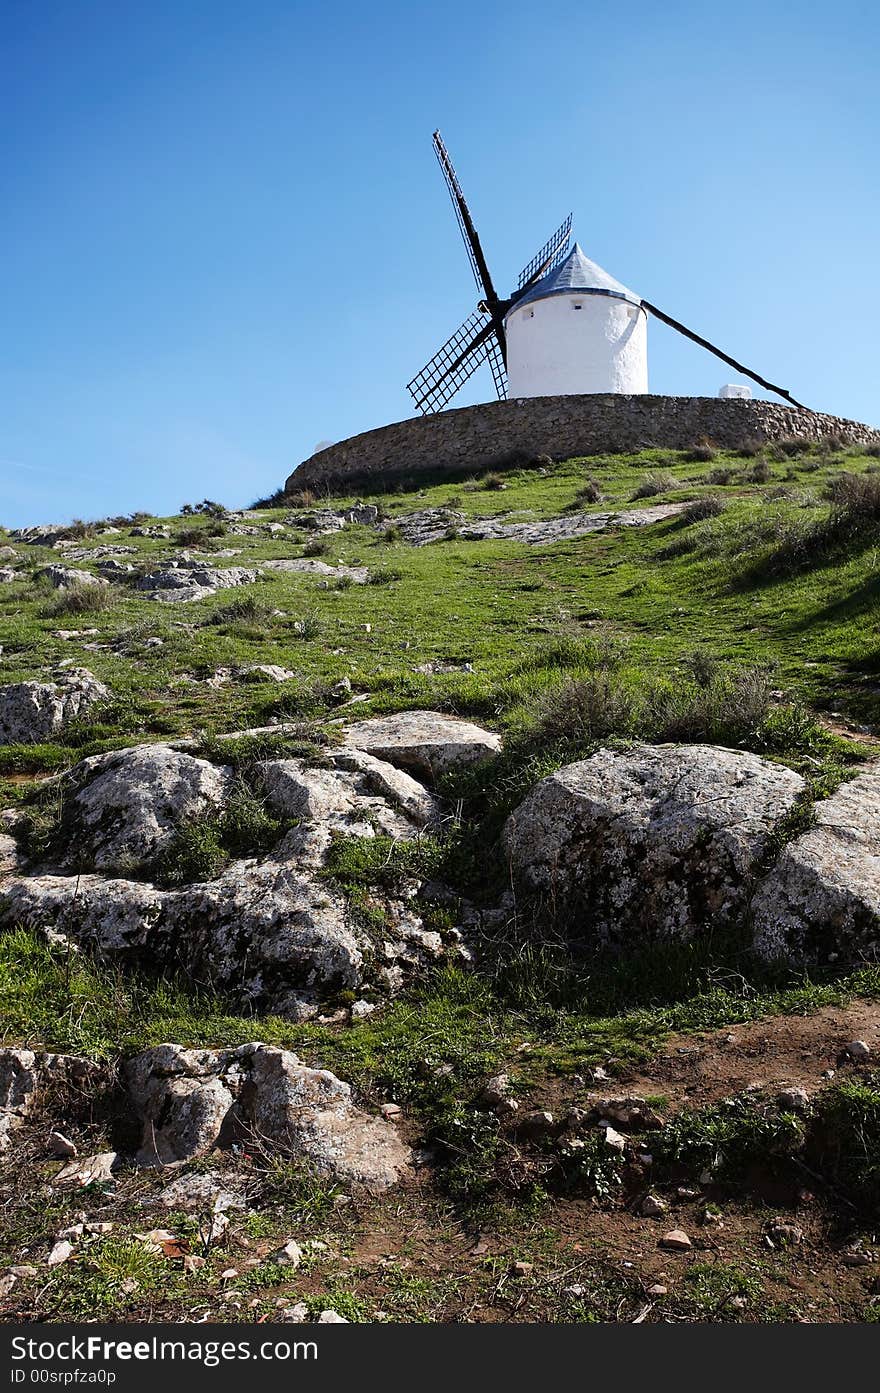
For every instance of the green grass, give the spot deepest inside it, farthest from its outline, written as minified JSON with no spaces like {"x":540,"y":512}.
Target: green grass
{"x":745,"y":620}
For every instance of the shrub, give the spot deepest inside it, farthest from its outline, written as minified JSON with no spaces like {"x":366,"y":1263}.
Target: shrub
{"x":793,"y":445}
{"x":851,"y":522}
{"x":492,"y":482}
{"x":661,"y":481}
{"x":728,"y":1137}
{"x":727,"y":710}
{"x":318,"y":546}
{"x":710,"y":506}
{"x":244,"y":609}
{"x":720,"y":476}
{"x":848,"y":1140}
{"x":202,"y":536}
{"x":82,"y":599}
{"x":760,"y":472}
{"x":309,"y":625}
{"x":590,"y":493}
{"x":750,"y":448}
{"x":704,"y":667}
{"x":195,"y":853}
{"x":699,"y":454}
{"x":584,"y":709}
{"x":830,"y":444}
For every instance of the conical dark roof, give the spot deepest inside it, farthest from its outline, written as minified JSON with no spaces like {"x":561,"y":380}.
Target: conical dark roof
{"x":578,"y":272}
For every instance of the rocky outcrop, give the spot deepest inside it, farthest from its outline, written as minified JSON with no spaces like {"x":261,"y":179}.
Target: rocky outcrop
{"x":28,"y":1078}
{"x":274,"y":933}
{"x":660,"y":842}
{"x":427,"y":744}
{"x":821,"y":902}
{"x":68,"y":578}
{"x":130,"y":803}
{"x":435,"y":524}
{"x":307,"y":565}
{"x":18,"y":1090}
{"x":355,"y":796}
{"x":273,"y":936}
{"x":334,"y":519}
{"x":182,"y":584}
{"x":192,"y":1100}
{"x":35,"y":711}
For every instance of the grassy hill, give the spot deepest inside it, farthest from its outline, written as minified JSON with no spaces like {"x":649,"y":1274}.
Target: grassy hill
{"x":748,"y":619}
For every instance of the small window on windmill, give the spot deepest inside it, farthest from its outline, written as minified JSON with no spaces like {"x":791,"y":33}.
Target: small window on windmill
{"x":577,"y":305}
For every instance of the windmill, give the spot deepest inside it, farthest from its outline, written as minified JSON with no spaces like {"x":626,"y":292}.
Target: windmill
{"x":531,"y":335}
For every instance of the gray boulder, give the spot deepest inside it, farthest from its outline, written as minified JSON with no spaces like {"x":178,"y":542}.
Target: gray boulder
{"x":821,"y":901}
{"x":274,"y":936}
{"x":660,"y":842}
{"x":356,"y":796}
{"x":68,"y":578}
{"x":191,"y":1100}
{"x":35,"y":711}
{"x":427,"y":744}
{"x":19,"y":1076}
{"x":9,"y":855}
{"x":182,"y":584}
{"x":130,"y":803}
{"x":309,"y":566}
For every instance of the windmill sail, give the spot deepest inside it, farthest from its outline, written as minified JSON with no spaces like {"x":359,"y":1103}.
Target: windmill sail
{"x":465,"y":223}
{"x":472,"y":344}
{"x":548,"y":258}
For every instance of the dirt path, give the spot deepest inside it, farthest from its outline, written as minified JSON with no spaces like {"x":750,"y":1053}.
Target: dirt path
{"x":770,"y":1052}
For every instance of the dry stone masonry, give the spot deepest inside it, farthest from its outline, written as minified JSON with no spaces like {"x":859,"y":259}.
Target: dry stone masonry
{"x":474,"y":438}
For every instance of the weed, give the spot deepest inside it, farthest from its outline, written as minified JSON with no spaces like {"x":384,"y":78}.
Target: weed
{"x":82,"y":599}
{"x":709,"y":506}
{"x":660,"y":481}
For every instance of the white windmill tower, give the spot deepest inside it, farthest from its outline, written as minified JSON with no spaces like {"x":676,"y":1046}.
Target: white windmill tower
{"x":576,"y":330}
{"x":567,"y":329}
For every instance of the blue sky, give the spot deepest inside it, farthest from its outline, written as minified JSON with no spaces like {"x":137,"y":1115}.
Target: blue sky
{"x":225,"y":236}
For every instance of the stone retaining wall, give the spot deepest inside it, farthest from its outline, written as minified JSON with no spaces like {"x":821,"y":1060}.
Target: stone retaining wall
{"x":493,"y":434}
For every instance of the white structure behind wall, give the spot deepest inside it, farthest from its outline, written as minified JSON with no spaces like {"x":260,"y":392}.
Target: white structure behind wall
{"x":577,"y":331}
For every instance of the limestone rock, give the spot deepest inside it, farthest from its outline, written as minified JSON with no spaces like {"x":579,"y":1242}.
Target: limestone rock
{"x":184,"y":1121}
{"x":68,"y":578}
{"x":276,"y":938}
{"x":19,"y":1077}
{"x":821,"y":901}
{"x":199,"y":1190}
{"x":269,"y":672}
{"x":9,"y":855}
{"x":308,"y":565}
{"x":35,"y":711}
{"x":190,"y":1099}
{"x":427,"y":744}
{"x":660,"y":840}
{"x":346,"y":799}
{"x":185,"y":583}
{"x":273,"y":935}
{"x":676,"y":1240}
{"x":89,"y":1170}
{"x":311,"y":1113}
{"x":131,"y":802}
